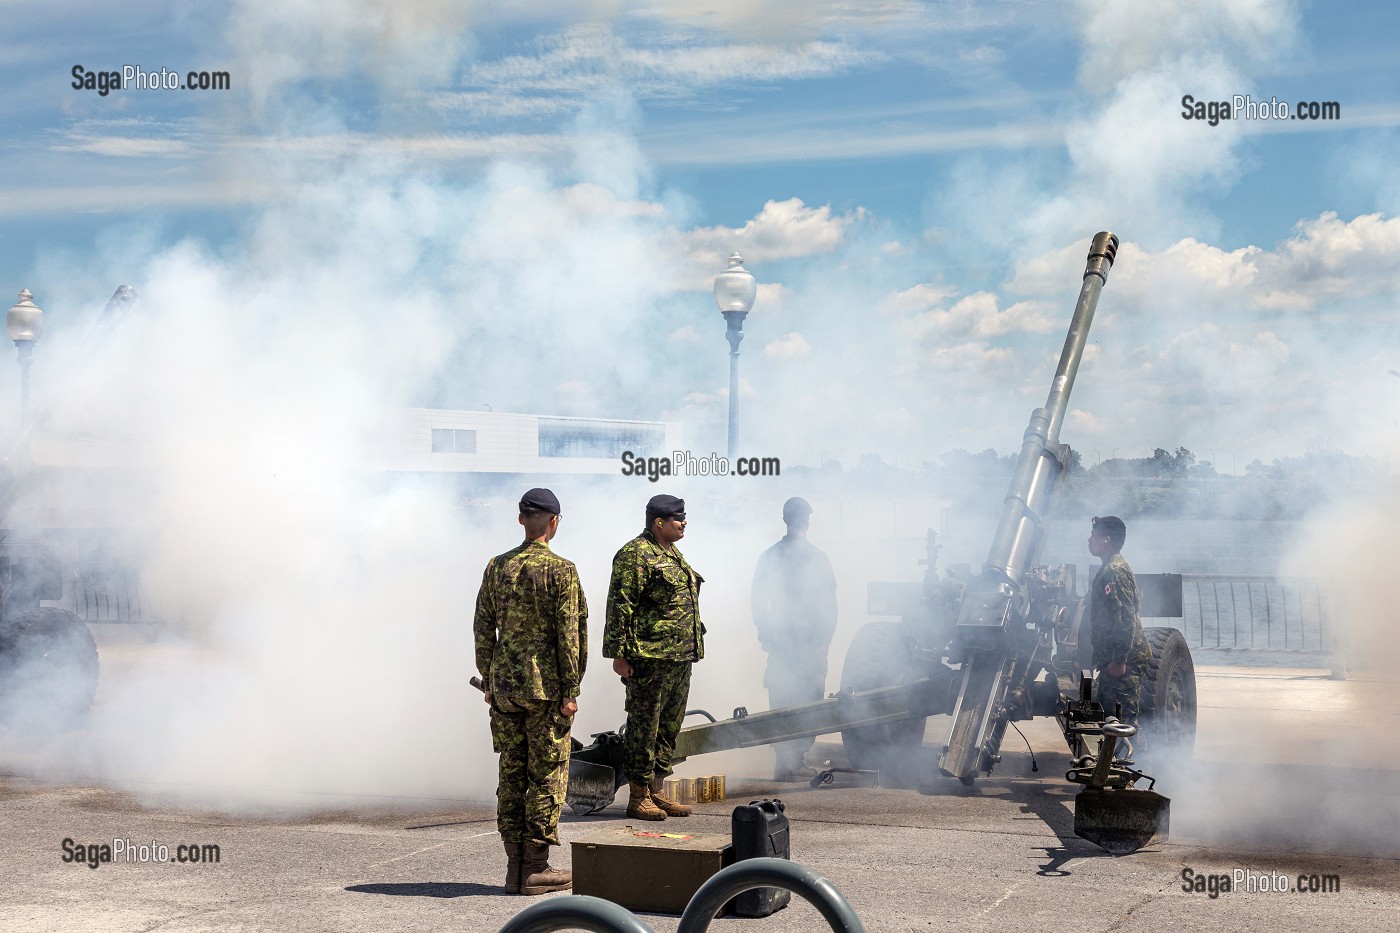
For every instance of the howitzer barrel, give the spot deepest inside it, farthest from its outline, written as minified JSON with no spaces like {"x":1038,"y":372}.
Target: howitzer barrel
{"x":1014,"y":549}
{"x":991,"y":666}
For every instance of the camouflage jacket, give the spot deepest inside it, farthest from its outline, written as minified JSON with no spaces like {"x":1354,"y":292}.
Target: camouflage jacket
{"x":1113,"y":616}
{"x":653,"y":605}
{"x":794,"y":598}
{"x":531,"y":625}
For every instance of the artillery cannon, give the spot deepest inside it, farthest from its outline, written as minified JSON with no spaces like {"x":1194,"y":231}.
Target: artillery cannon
{"x":1005,"y":644}
{"x":48,"y":658}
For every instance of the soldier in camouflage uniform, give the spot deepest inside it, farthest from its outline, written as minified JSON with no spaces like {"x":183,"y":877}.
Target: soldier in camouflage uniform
{"x":1121,"y":653}
{"x":654,"y":635}
{"x":531,"y":639}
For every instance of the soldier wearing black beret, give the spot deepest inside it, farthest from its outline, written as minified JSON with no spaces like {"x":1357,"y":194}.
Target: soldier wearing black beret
{"x":654,"y":636}
{"x":531,"y":635}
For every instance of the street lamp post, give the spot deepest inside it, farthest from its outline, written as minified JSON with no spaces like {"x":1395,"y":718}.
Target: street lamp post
{"x":734,"y":293}
{"x":25,"y":323}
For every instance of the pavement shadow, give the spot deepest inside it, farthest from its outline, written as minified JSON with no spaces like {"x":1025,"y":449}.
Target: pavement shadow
{"x":430,"y":889}
{"x":1047,"y":804}
{"x":1056,"y":857}
{"x":1042,"y":795}
{"x":610,"y":814}
{"x":476,"y":822}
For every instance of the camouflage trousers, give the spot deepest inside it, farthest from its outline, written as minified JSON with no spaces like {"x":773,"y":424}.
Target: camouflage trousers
{"x":1110,"y":691}
{"x":792,"y":679}
{"x":656,"y":695}
{"x":532,"y":738}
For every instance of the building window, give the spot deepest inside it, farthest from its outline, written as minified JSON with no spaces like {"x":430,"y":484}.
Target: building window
{"x":576,"y":437}
{"x":454,"y":441}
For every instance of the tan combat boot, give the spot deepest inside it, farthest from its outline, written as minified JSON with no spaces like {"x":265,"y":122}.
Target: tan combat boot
{"x":536,"y":877}
{"x":640,"y":805}
{"x":664,"y":803}
{"x":514,"y":853}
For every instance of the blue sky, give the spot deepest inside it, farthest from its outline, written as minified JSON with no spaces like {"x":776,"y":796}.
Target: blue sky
{"x":914,"y":185}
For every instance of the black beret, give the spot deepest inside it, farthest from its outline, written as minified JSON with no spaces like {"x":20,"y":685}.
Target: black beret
{"x":1111,"y":524}
{"x":796,"y":509}
{"x":664,"y":506}
{"x":539,"y":500}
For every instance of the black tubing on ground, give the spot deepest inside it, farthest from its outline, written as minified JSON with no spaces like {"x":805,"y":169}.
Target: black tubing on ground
{"x":48,"y":670}
{"x":1167,"y":703}
{"x":879,"y":657}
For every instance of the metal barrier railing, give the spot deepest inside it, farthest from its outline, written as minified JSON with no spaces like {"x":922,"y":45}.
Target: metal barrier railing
{"x":768,"y":873}
{"x":581,"y":912}
{"x":577,"y":912}
{"x":1240,"y":612}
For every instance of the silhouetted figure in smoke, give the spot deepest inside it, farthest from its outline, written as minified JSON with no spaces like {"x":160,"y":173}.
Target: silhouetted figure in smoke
{"x":1121,"y":652}
{"x":794,"y":610}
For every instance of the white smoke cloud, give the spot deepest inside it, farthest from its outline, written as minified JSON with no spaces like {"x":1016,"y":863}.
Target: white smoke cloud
{"x":1135,"y":165}
{"x":404,"y":45}
{"x":1120,"y":41}
{"x":331,"y":605}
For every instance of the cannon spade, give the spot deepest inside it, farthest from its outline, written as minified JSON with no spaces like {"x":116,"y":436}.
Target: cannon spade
{"x":1121,"y":821}
{"x":1109,"y":811}
{"x":595,"y":773}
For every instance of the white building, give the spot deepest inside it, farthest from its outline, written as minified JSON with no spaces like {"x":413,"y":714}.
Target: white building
{"x":438,"y":440}
{"x":435,"y":440}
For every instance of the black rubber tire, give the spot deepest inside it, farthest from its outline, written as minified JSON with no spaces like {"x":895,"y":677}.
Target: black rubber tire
{"x":48,"y":670}
{"x":1167,"y":703}
{"x":879,"y":657}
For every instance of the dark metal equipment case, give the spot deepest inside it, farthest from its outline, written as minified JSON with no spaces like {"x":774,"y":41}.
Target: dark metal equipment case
{"x":655,"y":869}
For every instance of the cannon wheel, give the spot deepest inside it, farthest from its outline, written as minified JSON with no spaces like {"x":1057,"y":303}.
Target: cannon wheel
{"x":1167,"y":709}
{"x":878,"y":657}
{"x":48,"y":670}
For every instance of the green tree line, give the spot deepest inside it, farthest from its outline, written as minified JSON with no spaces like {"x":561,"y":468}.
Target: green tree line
{"x":1167,"y":484}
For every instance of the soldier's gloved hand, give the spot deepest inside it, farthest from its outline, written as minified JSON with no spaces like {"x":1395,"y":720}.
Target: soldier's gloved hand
{"x":622,"y":667}
{"x":569,"y":707}
{"x":1117,"y":669}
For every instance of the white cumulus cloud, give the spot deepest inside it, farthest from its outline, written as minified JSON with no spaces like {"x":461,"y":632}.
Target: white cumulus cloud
{"x":781,"y":230}
{"x":788,"y":346}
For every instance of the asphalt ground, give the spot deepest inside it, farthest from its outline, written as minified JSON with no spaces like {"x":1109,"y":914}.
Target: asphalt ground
{"x":1295,"y":774}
